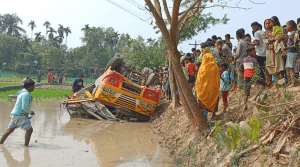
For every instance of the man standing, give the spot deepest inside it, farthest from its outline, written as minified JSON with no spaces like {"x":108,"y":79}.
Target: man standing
{"x":198,"y":53}
{"x":78,"y":84}
{"x":19,"y":114}
{"x":227,"y":41}
{"x":214,"y":39}
{"x":194,"y":56}
{"x":240,"y":55}
{"x":49,"y":76}
{"x":260,"y":47}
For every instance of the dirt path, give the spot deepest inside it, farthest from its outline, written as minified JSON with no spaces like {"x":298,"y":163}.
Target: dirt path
{"x":78,"y":142}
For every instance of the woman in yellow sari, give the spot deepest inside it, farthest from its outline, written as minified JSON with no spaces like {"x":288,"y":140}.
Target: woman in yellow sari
{"x":208,"y":83}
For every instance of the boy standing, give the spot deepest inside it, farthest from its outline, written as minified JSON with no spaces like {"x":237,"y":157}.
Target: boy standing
{"x":249,"y":64}
{"x":19,"y":114}
{"x":191,"y":73}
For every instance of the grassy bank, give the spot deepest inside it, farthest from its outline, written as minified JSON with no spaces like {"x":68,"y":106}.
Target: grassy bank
{"x":87,"y":81}
{"x":39,"y":94}
{"x":3,"y":84}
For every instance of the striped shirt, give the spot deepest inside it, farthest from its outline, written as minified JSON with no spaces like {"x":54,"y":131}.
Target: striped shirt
{"x":248,"y":64}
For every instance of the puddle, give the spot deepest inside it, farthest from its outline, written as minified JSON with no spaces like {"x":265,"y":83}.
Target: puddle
{"x":59,"y":141}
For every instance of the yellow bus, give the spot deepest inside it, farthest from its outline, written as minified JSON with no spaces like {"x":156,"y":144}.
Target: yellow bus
{"x":117,"y":91}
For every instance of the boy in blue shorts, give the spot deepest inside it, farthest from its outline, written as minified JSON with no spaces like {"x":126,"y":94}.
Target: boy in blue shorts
{"x":19,"y":114}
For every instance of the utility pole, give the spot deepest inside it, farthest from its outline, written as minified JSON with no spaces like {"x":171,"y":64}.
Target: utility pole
{"x":195,"y":44}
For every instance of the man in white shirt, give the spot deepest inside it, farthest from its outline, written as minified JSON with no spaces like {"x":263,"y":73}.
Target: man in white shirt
{"x":260,"y":47}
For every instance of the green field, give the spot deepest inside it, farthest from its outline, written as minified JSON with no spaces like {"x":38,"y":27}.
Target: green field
{"x":87,"y":81}
{"x":39,"y":94}
{"x":3,"y":84}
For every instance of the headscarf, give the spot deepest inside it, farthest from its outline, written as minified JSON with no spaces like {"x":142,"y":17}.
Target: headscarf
{"x":208,"y":82}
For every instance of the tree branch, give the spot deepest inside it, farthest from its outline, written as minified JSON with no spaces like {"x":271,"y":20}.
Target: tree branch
{"x":174,"y":21}
{"x":188,"y":10}
{"x":161,"y":24}
{"x":157,"y":7}
{"x":167,"y":11}
{"x":187,"y":18}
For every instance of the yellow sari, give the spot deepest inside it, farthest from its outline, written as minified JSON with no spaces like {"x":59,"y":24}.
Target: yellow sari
{"x":208,"y":82}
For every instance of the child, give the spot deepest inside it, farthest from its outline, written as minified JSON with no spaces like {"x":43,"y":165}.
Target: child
{"x":224,"y":84}
{"x":248,"y":64}
{"x":19,"y":114}
{"x":56,"y":78}
{"x":39,"y":77}
{"x":297,"y":36}
{"x":65,"y":79}
{"x":60,"y":79}
{"x":49,"y":76}
{"x":197,"y":66}
{"x":165,"y":81}
{"x":191,"y":73}
{"x":292,"y":52}
{"x":278,"y":44}
{"x":185,"y":70}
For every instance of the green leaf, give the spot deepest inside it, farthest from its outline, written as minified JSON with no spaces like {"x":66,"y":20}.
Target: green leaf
{"x":246,"y":130}
{"x":217,"y":128}
{"x":256,"y":126}
{"x":220,"y":141}
{"x":234,"y":134}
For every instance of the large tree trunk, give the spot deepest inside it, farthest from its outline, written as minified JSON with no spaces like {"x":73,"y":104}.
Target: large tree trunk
{"x":175,"y":100}
{"x":171,"y":37}
{"x":199,"y":121}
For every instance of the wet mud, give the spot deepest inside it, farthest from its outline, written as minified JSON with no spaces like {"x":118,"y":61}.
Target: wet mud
{"x":58,"y":140}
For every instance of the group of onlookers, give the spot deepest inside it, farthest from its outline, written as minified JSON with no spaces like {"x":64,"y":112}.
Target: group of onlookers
{"x":56,"y":79}
{"x":273,"y":52}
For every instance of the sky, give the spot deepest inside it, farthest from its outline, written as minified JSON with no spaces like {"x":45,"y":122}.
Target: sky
{"x":101,"y":13}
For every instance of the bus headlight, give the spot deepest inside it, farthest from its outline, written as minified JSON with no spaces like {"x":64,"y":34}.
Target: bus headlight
{"x":105,"y":89}
{"x":112,"y":92}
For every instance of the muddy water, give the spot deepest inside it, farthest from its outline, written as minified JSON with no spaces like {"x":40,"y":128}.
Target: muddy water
{"x":59,"y":141}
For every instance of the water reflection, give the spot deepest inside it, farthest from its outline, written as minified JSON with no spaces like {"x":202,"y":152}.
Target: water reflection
{"x":117,"y":144}
{"x":11,"y":162}
{"x":48,"y":147}
{"x":59,"y":141}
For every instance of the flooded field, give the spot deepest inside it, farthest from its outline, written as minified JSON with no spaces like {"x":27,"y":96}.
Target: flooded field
{"x":58,"y":140}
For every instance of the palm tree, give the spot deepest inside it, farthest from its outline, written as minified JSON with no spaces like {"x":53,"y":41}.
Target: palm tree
{"x":51,"y":31}
{"x":67,"y":31}
{"x":47,"y":25}
{"x":86,"y":28}
{"x":32,"y":25}
{"x":1,"y":22}
{"x":38,"y":37}
{"x":57,"y":41}
{"x":10,"y":25}
{"x":25,"y":43}
{"x":60,"y":30}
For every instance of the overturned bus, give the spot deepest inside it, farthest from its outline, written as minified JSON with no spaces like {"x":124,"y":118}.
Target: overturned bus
{"x":120,"y":93}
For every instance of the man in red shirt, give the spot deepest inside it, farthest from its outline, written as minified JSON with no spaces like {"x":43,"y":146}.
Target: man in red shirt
{"x":191,"y":71}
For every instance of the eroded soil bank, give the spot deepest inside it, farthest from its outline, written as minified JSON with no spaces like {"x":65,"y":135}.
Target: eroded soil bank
{"x":58,"y":140}
{"x":176,"y":133}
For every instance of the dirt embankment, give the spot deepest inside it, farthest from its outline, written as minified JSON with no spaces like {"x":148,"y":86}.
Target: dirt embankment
{"x":279,"y":137}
